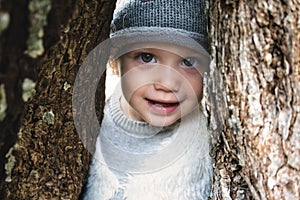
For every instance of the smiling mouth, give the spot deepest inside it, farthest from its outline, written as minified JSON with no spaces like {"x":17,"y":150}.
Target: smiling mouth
{"x":161,"y":106}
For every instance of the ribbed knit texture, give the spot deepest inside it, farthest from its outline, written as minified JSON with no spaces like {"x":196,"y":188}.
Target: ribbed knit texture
{"x":188,"y":15}
{"x":186,"y":178}
{"x":183,"y":16}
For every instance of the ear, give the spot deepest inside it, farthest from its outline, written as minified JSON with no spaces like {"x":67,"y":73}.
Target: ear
{"x":114,"y":65}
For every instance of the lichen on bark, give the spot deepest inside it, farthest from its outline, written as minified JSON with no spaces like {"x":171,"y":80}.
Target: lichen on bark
{"x":39,"y":10}
{"x":4,"y":21}
{"x":3,"y":102}
{"x":28,"y":89}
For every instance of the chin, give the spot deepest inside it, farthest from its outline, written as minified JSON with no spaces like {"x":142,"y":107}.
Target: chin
{"x":162,"y":122}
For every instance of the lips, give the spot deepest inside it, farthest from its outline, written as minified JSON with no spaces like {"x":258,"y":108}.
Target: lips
{"x":162,"y":107}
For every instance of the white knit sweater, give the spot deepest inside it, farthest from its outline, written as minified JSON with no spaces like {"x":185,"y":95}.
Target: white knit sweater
{"x":138,"y":161}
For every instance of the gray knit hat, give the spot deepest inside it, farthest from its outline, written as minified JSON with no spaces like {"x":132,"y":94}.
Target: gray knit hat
{"x":181,"y":22}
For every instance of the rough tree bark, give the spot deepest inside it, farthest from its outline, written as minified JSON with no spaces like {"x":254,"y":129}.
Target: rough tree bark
{"x":253,"y":102}
{"x":255,"y":99}
{"x":43,"y":43}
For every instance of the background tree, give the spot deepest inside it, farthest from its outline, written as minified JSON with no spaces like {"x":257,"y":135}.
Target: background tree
{"x":253,"y":102}
{"x":43,"y":43}
{"x":255,"y":99}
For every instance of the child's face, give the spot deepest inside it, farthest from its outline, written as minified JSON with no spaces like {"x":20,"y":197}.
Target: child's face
{"x":160,"y":85}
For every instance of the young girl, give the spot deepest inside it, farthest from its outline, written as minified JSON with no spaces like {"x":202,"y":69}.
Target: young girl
{"x":154,"y":143}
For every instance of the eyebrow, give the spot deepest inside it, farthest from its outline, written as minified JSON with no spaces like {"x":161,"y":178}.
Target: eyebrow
{"x":182,"y":55}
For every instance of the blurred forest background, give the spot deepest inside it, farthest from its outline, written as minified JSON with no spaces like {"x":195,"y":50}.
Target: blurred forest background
{"x":252,"y":96}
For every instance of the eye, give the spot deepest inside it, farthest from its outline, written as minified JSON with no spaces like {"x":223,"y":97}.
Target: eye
{"x":189,"y":62}
{"x":147,"y":58}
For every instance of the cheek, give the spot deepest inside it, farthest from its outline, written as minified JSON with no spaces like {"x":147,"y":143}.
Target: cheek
{"x":132,"y":84}
{"x":127,"y":88}
{"x":127,"y":77}
{"x":195,"y":87}
{"x":199,"y":90}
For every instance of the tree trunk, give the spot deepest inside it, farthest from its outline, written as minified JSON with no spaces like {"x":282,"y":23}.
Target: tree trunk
{"x":43,"y":44}
{"x":254,"y":102}
{"x":252,"y":97}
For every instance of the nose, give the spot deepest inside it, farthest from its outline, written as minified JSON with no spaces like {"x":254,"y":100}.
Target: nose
{"x":167,"y":79}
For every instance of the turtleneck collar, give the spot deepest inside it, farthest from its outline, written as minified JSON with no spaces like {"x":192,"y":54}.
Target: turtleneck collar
{"x":136,"y":147}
